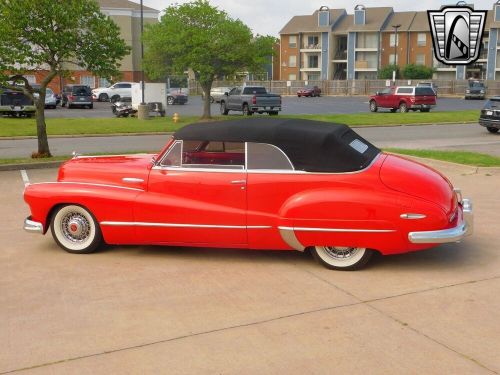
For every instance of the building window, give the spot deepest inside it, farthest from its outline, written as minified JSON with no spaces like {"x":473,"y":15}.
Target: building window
{"x":420,"y":59}
{"x":88,"y":80}
{"x":312,"y":41}
{"x":391,"y":59}
{"x":421,"y":39}
{"x":394,"y":38}
{"x":292,"y":61}
{"x":103,"y":82}
{"x":292,"y":41}
{"x":313,"y":61}
{"x":292,"y":77}
{"x":31,"y":79}
{"x":313,"y":77}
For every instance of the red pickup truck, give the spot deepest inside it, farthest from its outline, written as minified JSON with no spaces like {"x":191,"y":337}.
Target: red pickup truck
{"x":404,"y":98}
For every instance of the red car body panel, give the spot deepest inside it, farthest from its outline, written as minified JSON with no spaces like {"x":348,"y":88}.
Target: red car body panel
{"x":257,"y":205}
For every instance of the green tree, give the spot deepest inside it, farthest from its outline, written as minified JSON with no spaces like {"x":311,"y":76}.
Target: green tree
{"x":54,"y":36}
{"x":386,"y":72}
{"x":199,"y":36}
{"x":414,"y":71}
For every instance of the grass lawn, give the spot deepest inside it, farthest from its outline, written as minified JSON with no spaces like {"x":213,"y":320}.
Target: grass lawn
{"x":460,"y":157}
{"x":15,"y":127}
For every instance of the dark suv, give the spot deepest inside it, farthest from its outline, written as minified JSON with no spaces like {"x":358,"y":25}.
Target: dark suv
{"x":490,"y":115}
{"x":77,"y":96}
{"x":475,"y":90}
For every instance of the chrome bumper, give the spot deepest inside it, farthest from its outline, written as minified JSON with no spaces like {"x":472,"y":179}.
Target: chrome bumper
{"x":32,"y":226}
{"x":464,"y":228}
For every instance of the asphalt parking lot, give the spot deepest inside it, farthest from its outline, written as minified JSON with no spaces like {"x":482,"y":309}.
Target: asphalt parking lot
{"x":130,"y":310}
{"x":291,"y":105}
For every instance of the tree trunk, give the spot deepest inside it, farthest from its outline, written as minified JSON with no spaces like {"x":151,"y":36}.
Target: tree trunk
{"x":206,"y":102}
{"x":41,"y":128}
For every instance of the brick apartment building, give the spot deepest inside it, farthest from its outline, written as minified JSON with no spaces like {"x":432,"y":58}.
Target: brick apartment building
{"x":126,"y":14}
{"x":331,"y":44}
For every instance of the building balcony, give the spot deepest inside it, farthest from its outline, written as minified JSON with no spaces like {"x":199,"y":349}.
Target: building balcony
{"x":340,"y":56}
{"x":443,"y":67}
{"x":366,"y":49}
{"x":305,"y":68}
{"x":311,"y":48}
{"x":366,"y":66}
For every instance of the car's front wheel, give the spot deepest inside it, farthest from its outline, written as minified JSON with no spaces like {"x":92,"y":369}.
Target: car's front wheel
{"x":75,"y":229}
{"x":170,"y":100}
{"x":342,"y":258}
{"x":492,"y":129}
{"x":103,"y":97}
{"x":373,"y":106}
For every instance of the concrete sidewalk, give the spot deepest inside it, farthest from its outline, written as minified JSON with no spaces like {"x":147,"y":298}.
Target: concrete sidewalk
{"x":130,"y":310}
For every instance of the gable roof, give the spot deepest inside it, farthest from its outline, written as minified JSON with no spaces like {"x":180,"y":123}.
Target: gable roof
{"x":123,"y":4}
{"x":405,"y":19}
{"x":309,"y":23}
{"x":375,"y":19}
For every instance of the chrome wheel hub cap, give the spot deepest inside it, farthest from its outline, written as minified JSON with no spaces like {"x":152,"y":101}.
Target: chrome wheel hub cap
{"x":75,"y":227}
{"x":341,"y":252}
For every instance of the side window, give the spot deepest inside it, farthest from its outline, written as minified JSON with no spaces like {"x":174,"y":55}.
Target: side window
{"x":127,"y":86}
{"x":264,"y":156}
{"x":173,"y":156}
{"x":216,"y":155}
{"x":232,"y":92}
{"x":405,"y":90}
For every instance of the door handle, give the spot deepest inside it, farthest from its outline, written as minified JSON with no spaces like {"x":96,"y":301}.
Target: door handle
{"x":239,"y":182}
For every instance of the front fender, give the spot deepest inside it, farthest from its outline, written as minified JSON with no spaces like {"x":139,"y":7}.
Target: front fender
{"x":105,"y":202}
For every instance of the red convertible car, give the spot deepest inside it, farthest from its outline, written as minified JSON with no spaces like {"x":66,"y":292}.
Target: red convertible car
{"x":255,"y":183}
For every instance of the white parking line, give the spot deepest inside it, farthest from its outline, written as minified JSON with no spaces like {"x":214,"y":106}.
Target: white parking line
{"x":25,"y":177}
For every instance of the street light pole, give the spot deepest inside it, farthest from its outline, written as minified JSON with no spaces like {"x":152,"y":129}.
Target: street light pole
{"x":396,"y":27}
{"x":142,"y":53}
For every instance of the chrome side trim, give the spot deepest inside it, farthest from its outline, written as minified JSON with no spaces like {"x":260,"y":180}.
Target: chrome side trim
{"x":288,"y":236}
{"x":32,"y":226}
{"x":173,"y":225}
{"x":412,"y":216}
{"x":464,"y":228}
{"x":132,"y":180}
{"x":343,"y":230}
{"x":89,"y":184}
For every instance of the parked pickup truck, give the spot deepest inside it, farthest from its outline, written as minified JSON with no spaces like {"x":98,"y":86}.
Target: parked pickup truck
{"x":404,"y":98}
{"x":250,"y":100}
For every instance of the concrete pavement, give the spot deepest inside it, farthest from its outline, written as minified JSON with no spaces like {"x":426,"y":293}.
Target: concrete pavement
{"x":152,"y":310}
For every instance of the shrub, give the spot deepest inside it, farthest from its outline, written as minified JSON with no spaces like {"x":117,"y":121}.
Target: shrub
{"x":413,"y":71}
{"x":386,"y":72}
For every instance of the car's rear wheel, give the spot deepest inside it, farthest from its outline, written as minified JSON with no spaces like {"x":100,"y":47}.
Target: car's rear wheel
{"x":273,"y":113}
{"x":223,"y":109}
{"x":103,"y":97}
{"x":403,"y":108}
{"x":212,"y":100}
{"x":170,"y":100}
{"x":75,"y":229}
{"x":373,"y":106}
{"x":342,"y":258}
{"x":492,"y":129}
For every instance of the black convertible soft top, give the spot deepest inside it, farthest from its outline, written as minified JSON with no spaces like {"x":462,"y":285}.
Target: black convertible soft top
{"x":312,"y":146}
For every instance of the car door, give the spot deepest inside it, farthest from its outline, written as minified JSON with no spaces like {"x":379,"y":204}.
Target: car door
{"x":234,"y":99}
{"x":125,"y":90}
{"x":188,"y":203}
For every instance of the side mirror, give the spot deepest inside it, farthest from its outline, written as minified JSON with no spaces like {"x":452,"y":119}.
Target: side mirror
{"x":226,"y":94}
{"x":378,"y":93}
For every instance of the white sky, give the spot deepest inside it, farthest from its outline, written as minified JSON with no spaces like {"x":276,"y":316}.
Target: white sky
{"x":268,"y":16}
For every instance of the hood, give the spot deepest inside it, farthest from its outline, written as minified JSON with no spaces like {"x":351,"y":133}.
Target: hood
{"x":419,"y":181}
{"x":109,"y":170}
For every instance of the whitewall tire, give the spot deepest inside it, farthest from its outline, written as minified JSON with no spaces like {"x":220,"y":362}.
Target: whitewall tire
{"x":75,"y":229}
{"x":342,"y":258}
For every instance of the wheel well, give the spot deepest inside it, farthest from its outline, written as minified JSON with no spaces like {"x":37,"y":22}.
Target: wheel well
{"x":403,"y":102}
{"x":54,"y":208}
{"x":244,"y":104}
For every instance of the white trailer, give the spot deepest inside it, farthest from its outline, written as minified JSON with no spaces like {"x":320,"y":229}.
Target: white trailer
{"x":153,"y":93}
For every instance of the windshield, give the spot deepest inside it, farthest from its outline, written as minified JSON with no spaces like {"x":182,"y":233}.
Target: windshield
{"x":478,"y":85}
{"x":492,"y":103}
{"x":49,"y":92}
